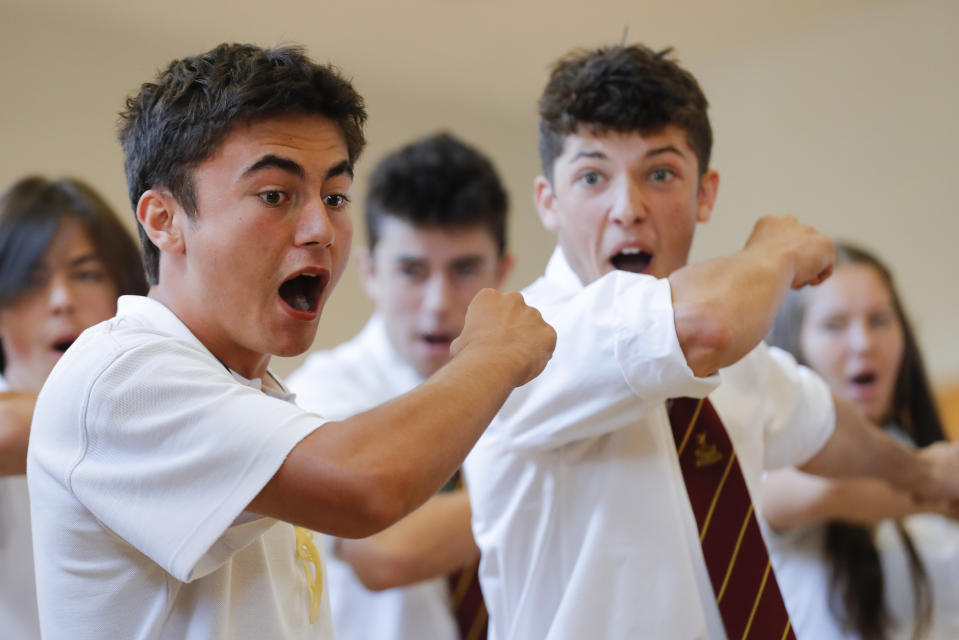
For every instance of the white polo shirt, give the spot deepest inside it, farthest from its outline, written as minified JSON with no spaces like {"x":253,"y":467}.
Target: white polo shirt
{"x":356,"y":376}
{"x":18,"y":599}
{"x":579,"y":505}
{"x":144,"y":454}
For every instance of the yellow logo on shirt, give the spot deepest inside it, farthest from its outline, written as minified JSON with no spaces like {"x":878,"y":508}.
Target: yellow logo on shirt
{"x":308,"y":554}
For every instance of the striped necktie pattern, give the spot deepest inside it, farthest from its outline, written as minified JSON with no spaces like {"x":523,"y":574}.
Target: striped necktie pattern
{"x":743,"y":582}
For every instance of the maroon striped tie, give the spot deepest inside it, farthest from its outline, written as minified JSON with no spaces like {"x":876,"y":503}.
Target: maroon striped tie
{"x":746,"y":591}
{"x":467,"y":602}
{"x":466,"y":596}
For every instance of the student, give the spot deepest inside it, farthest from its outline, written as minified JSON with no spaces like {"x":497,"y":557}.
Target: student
{"x":590,"y":523}
{"x":165,"y":461}
{"x":436,"y":224}
{"x":64,"y":259}
{"x":853,"y":557}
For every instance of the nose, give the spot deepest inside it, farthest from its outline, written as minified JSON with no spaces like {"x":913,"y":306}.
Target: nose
{"x":314,"y":226}
{"x":61,"y":294}
{"x":860,"y":337}
{"x":437,"y":295}
{"x":628,"y":206}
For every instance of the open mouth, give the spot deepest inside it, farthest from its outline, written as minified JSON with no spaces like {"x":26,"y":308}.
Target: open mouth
{"x":302,"y":293}
{"x":864,"y":379}
{"x":436,"y":339}
{"x":632,"y":259}
{"x":62,"y":345}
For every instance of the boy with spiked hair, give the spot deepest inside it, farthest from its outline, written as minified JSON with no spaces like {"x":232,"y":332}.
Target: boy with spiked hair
{"x":174,"y":484}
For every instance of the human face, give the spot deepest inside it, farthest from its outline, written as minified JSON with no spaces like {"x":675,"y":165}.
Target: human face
{"x":422,"y":279}
{"x":852,"y":336}
{"x":69,"y":291}
{"x":625,"y":201}
{"x":251,"y":273}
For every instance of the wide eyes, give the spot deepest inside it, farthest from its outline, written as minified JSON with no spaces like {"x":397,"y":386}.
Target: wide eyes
{"x":591,"y":178}
{"x":336,"y":200}
{"x":660,"y":175}
{"x":273,"y":197}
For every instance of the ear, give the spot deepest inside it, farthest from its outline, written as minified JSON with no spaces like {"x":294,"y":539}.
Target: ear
{"x":545,"y":200}
{"x":156,"y":213}
{"x":504,"y":268}
{"x":708,"y":188}
{"x":367,"y":269}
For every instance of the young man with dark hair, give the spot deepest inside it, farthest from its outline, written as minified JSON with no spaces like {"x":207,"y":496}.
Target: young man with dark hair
{"x":608,"y":501}
{"x":166,"y":461}
{"x":436,"y":224}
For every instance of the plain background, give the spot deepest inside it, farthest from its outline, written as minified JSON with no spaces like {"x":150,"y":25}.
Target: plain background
{"x":841,"y":112}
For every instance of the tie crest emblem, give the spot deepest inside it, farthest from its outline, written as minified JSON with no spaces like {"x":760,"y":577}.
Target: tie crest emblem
{"x":706,"y":452}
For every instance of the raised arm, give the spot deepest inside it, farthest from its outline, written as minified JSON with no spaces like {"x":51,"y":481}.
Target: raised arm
{"x":16,"y":411}
{"x":725,"y":306}
{"x":355,"y":477}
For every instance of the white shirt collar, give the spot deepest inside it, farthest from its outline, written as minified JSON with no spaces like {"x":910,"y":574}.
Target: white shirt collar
{"x":560,"y":273}
{"x":159,"y":316}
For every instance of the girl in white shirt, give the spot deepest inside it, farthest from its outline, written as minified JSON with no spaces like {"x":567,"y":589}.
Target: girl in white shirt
{"x":852,"y":557}
{"x":64,"y":260}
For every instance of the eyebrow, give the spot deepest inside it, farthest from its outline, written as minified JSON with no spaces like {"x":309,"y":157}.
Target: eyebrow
{"x":80,"y":260}
{"x":666,"y":149}
{"x":294,"y":168}
{"x":468,"y":261}
{"x":589,"y":154}
{"x":649,"y":154}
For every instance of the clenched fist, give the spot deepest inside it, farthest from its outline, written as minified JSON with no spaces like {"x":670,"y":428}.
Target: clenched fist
{"x":507,"y":328}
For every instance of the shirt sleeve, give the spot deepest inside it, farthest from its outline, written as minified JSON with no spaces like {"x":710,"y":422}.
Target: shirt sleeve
{"x":174,"y":450}
{"x":617,"y":357}
{"x":802,"y":414}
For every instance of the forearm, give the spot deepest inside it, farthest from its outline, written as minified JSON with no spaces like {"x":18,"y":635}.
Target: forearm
{"x":859,"y":448}
{"x":355,"y":477}
{"x":725,"y":307}
{"x":16,"y":412}
{"x":432,"y":541}
{"x":794,"y":499}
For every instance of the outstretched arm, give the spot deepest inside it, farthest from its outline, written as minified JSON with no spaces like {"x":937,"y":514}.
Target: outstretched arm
{"x":726,"y":306}
{"x":792,"y":499}
{"x":434,"y":540}
{"x":857,"y":448}
{"x":16,"y":412}
{"x":355,"y":477}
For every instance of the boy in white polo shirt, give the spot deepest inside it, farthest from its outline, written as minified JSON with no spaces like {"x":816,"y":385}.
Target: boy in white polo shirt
{"x":165,"y":460}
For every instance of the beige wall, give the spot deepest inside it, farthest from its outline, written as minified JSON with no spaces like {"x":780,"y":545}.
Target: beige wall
{"x":840,"y":112}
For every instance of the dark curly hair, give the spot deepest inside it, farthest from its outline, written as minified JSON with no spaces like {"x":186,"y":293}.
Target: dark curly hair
{"x":857,"y":587}
{"x":624,"y":89}
{"x":32,"y":210}
{"x":175,"y":123}
{"x":437,"y":181}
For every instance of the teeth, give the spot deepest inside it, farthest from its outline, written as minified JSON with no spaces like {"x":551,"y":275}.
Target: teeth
{"x":630,"y":251}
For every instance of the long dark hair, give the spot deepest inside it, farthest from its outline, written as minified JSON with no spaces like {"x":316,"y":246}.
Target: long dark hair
{"x":856,"y":573}
{"x":31,"y":211}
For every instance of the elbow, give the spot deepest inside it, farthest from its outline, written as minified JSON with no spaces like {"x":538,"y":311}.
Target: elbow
{"x":387,"y":572}
{"x":378,"y":501}
{"x":706,"y":336}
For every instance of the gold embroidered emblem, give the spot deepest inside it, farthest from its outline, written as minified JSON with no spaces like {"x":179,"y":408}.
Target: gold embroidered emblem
{"x":706,"y":452}
{"x":308,"y":554}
